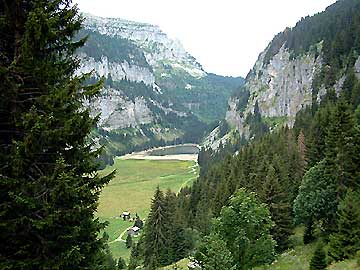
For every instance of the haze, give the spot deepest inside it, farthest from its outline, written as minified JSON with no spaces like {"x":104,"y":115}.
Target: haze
{"x":225,"y":36}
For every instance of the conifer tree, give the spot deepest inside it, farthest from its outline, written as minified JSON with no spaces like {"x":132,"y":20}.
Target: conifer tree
{"x":342,"y":149}
{"x":49,"y":185}
{"x":121,"y":264}
{"x":154,"y":241}
{"x":346,"y":241}
{"x":277,"y":201}
{"x":318,"y":260}
{"x":128,"y":241}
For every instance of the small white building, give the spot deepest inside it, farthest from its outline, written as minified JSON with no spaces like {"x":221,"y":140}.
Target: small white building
{"x":125,"y":215}
{"x":134,"y":231}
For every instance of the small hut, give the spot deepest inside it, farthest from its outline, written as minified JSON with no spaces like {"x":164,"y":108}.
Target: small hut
{"x":133,"y":231}
{"x":125,"y":215}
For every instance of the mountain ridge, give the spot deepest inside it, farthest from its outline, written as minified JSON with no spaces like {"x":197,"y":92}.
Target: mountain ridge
{"x":154,"y":92}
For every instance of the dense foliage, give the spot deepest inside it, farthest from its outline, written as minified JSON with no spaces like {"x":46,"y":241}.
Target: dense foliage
{"x":48,"y":180}
{"x":306,"y":175}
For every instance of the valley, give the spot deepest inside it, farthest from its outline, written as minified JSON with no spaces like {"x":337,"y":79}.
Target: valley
{"x":137,"y":176}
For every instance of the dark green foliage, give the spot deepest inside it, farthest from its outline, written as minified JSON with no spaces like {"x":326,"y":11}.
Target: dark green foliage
{"x":338,"y":27}
{"x":165,"y":239}
{"x":342,"y":149}
{"x":154,"y":240}
{"x":138,"y":222}
{"x":318,"y":260}
{"x":317,"y":197}
{"x":345,"y":242}
{"x":213,"y":254}
{"x":116,"y":49}
{"x":49,"y":185}
{"x":128,"y":241}
{"x":135,"y":259}
{"x":275,"y":197}
{"x":257,"y":126}
{"x":222,"y":175}
{"x":245,"y":227}
{"x":121,"y":264}
{"x":309,"y":232}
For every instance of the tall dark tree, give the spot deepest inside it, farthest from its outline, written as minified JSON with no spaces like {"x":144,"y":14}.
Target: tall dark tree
{"x":129,"y":241}
{"x":277,"y":200}
{"x":49,"y":185}
{"x":154,"y":242}
{"x":346,"y":241}
{"x":316,"y":200}
{"x":318,"y":260}
{"x":342,"y":149}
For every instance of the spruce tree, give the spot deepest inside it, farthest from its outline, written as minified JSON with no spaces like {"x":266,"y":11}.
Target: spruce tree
{"x":280,"y":209}
{"x":49,"y":185}
{"x":121,"y":264}
{"x":342,"y":149}
{"x":318,"y":260}
{"x":128,"y":241}
{"x":154,"y":241}
{"x":346,"y":241}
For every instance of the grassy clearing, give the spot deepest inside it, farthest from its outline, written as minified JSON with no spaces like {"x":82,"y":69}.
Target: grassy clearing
{"x":298,"y":257}
{"x":132,"y":190}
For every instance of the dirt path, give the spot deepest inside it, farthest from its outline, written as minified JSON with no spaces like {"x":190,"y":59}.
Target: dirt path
{"x":119,"y":239}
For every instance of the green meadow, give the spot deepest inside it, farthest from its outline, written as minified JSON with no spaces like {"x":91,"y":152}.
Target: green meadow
{"x":132,"y":189}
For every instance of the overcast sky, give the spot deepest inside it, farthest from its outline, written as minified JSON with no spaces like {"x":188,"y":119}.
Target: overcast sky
{"x":225,"y":36}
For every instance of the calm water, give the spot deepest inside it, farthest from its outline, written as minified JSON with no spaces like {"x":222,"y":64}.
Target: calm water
{"x":175,"y":150}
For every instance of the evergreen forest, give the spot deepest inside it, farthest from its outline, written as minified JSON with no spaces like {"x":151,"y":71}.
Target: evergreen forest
{"x":252,"y":194}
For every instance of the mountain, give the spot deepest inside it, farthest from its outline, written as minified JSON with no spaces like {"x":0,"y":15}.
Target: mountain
{"x":297,"y":69}
{"x":154,"y":91}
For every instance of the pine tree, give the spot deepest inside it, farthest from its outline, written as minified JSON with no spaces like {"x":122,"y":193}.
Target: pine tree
{"x":279,"y":207}
{"x":342,"y":148}
{"x":346,"y":241}
{"x":302,"y":150}
{"x":154,"y":241}
{"x":128,"y":241}
{"x":318,"y":260}
{"x":121,"y":264}
{"x":49,"y":186}
{"x":135,"y":256}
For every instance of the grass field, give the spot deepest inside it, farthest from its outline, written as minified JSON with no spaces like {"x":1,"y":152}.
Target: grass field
{"x":132,"y":189}
{"x":298,"y":258}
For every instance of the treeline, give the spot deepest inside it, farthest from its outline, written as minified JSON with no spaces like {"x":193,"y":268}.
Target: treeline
{"x":307,"y":175}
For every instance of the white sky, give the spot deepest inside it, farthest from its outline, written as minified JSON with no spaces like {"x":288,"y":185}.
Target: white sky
{"x":225,"y":36}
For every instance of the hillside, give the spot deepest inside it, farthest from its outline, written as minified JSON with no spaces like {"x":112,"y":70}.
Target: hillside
{"x":287,"y":157}
{"x":298,"y":67}
{"x":154,"y":92}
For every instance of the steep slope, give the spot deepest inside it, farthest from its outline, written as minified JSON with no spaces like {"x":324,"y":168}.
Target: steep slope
{"x":297,"y":69}
{"x":154,"y":91}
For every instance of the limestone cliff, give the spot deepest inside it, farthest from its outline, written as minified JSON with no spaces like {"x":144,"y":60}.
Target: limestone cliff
{"x":154,"y":91}
{"x":281,"y":87}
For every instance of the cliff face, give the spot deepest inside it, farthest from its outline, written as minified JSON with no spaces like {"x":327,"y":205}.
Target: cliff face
{"x":281,"y":87}
{"x":299,"y":66}
{"x":154,"y":91}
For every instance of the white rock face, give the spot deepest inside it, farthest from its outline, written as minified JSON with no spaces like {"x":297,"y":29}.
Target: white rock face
{"x":281,"y":87}
{"x":118,"y":112}
{"x":118,"y":71}
{"x":357,"y":68}
{"x":157,"y":45}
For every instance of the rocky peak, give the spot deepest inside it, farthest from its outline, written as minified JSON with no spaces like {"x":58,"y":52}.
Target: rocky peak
{"x":158,"y":47}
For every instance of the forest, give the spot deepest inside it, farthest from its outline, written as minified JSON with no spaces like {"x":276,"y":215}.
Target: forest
{"x":249,"y":198}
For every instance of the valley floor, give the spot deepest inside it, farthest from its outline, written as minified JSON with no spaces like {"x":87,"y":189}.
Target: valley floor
{"x":132,"y":189}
